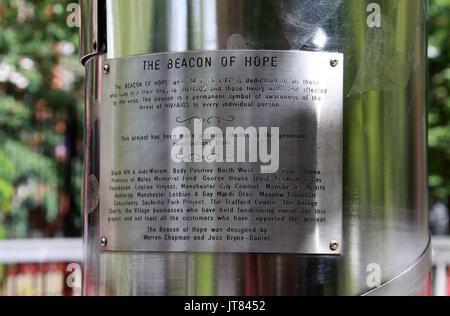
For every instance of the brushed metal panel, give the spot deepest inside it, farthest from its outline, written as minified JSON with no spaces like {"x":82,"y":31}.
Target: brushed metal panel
{"x":279,"y":191}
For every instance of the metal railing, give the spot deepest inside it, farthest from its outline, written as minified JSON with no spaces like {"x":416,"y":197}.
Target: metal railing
{"x":41,"y":251}
{"x":441,"y":264}
{"x":41,"y":267}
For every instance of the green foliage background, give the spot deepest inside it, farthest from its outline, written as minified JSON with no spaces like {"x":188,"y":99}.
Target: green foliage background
{"x":41,"y":120}
{"x":439,"y":113}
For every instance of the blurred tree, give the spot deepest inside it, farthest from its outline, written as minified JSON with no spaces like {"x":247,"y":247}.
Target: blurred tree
{"x":439,"y":128}
{"x":41,"y":119}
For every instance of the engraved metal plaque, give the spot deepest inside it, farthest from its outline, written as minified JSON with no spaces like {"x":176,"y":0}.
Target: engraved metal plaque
{"x":222,"y":151}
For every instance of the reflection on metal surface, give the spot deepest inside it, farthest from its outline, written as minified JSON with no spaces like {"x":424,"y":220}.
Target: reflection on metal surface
{"x":385,"y":199}
{"x":93,"y":41}
{"x":411,"y":282}
{"x":93,"y":187}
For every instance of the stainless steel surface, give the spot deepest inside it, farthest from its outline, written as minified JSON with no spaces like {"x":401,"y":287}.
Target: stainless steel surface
{"x":385,"y":199}
{"x":264,"y":174}
{"x":415,"y":281}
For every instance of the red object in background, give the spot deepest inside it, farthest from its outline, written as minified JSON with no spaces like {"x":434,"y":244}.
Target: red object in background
{"x":448,"y":281}
{"x":46,"y":279}
{"x":430,"y":286}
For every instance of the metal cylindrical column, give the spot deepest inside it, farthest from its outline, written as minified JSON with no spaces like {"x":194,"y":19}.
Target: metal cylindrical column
{"x":385,"y":203}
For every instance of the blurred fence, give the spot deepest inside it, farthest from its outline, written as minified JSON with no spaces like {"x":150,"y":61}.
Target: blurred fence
{"x":441,"y":266}
{"x":51,"y":267}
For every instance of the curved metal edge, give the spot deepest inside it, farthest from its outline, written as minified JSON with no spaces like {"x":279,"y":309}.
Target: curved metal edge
{"x":93,"y":29}
{"x":409,"y":283}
